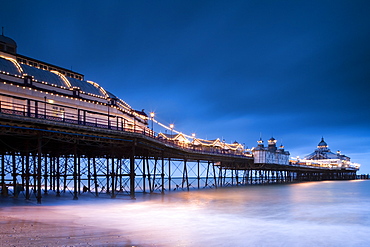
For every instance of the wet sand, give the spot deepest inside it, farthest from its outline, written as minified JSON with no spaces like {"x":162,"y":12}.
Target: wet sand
{"x":15,"y":232}
{"x":28,"y":224}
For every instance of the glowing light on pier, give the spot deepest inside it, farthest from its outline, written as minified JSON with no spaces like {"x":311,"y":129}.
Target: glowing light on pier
{"x":16,"y":64}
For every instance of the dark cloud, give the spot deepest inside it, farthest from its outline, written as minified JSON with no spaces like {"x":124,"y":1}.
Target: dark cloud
{"x":297,"y":70}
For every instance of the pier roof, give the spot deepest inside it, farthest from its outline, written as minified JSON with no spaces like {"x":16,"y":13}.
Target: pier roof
{"x":7,"y":40}
{"x":323,"y":152}
{"x":8,"y":66}
{"x":18,"y":65}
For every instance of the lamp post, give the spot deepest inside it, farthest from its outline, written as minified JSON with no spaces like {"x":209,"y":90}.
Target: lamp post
{"x":193,"y":135}
{"x":152,"y":118}
{"x":171,"y":127}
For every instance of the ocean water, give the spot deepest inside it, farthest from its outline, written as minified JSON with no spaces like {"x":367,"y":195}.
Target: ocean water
{"x":332,"y":213}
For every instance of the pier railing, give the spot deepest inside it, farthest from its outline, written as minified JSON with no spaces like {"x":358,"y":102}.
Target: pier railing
{"x":76,"y":116}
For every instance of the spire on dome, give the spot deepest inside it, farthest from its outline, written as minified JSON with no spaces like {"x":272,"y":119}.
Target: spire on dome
{"x":260,"y":141}
{"x":272,"y":141}
{"x":322,"y":144}
{"x":272,"y":144}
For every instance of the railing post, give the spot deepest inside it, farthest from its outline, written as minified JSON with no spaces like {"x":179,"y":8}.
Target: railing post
{"x":84,"y":119}
{"x":28,"y":108}
{"x":108,"y":118}
{"x":78,"y":116}
{"x":45,"y":107}
{"x":36,"y":110}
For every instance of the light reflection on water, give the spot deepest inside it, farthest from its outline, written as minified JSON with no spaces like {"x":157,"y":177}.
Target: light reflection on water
{"x":307,"y":214}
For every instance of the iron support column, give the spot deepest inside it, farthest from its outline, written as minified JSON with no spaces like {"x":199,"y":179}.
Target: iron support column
{"x":132,"y":172}
{"x":75,"y":179}
{"x":144,"y":178}
{"x":46,"y":174}
{"x":95,"y":178}
{"x":198,"y":175}
{"x":27,"y":174}
{"x":185,"y":176}
{"x":162,"y":174}
{"x":113,"y":180}
{"x":14,"y":174}
{"x":169,"y":174}
{"x":58,"y":175}
{"x":39,"y":164}
{"x":214,"y":174}
{"x":3,"y":174}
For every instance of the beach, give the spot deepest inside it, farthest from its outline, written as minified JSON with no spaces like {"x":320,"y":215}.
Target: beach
{"x":33,"y":233}
{"x":27,"y":224}
{"x":328,"y":213}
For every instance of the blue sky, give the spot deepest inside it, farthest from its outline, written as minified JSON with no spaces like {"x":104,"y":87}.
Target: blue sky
{"x":234,"y":70}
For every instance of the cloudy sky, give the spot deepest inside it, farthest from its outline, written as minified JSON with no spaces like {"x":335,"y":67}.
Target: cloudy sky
{"x":234,"y":70}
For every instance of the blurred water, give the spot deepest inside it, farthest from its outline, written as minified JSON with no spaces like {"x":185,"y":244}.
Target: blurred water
{"x":335,"y":213}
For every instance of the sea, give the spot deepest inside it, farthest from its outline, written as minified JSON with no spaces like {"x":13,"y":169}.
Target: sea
{"x":325,"y":213}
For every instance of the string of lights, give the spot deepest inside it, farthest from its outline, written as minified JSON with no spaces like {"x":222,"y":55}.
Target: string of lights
{"x":203,"y":142}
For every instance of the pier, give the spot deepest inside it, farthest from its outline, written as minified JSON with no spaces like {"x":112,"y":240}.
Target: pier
{"x":41,"y":153}
{"x":63,"y":134}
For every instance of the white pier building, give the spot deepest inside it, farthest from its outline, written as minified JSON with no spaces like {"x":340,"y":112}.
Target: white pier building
{"x":44,"y":90}
{"x":270,"y":154}
{"x":324,"y":157}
